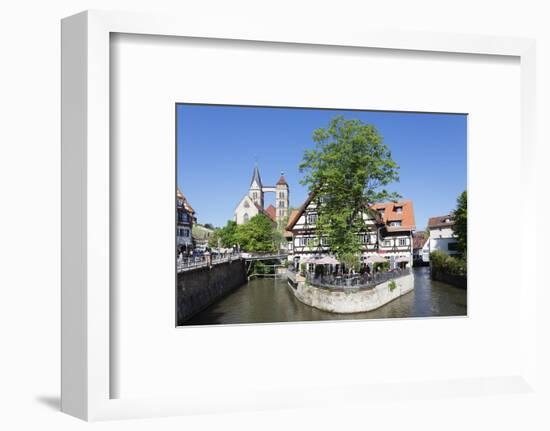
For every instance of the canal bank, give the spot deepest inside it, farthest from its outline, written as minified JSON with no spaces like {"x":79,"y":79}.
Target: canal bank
{"x":352,"y":300}
{"x":270,"y":301}
{"x":199,"y":288}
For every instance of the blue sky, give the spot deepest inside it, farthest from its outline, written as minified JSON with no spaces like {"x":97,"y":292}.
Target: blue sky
{"x":218,"y":146}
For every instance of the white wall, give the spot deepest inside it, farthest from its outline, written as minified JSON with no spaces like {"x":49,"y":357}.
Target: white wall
{"x":30,"y":183}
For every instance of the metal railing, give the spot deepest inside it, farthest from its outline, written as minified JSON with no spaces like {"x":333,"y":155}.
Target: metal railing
{"x":188,"y":263}
{"x":357,"y":281}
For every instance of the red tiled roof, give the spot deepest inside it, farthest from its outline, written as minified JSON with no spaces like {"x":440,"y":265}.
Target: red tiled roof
{"x":282,"y":181}
{"x":265,"y":212}
{"x":440,"y":221}
{"x":390,"y":213}
{"x":406,"y":216}
{"x":271,"y":212}
{"x":419,"y":239}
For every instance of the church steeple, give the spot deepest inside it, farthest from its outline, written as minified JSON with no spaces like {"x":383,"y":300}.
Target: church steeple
{"x":256,"y":179}
{"x":255,"y":191}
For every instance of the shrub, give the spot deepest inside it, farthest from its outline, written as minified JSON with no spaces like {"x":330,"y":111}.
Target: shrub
{"x":392,"y":285}
{"x":443,"y":263}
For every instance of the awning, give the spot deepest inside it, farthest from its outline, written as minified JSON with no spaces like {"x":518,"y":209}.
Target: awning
{"x":375,"y":258}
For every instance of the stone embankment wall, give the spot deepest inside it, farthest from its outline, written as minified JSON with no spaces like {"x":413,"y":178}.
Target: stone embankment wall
{"x":352,"y":300}
{"x":456,"y":280}
{"x":201,"y":287}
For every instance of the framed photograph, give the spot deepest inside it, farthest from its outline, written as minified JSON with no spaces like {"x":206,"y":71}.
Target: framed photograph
{"x":242,"y":207}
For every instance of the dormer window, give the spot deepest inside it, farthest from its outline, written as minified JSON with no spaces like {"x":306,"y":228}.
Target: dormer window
{"x":447,"y":220}
{"x":399,"y":209}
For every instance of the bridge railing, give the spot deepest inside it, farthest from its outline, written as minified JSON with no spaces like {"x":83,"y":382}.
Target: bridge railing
{"x":193,"y":262}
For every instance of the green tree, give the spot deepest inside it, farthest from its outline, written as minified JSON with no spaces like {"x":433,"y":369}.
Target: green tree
{"x":224,"y":236}
{"x":460,"y":226}
{"x":257,"y":235}
{"x":347,"y":171}
{"x":228,"y":234}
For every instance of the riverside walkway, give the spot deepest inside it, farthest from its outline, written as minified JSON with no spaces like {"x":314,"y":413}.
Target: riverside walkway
{"x":190,"y":263}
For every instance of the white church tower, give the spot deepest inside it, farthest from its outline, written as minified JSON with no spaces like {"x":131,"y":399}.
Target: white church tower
{"x":281,"y":200}
{"x":255,"y":191}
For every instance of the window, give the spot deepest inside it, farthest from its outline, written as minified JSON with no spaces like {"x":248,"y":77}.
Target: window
{"x":387,"y":243}
{"x":452,"y":246}
{"x":381,"y":211}
{"x":402,"y":242}
{"x":183,"y":217}
{"x":245,"y":217}
{"x":186,"y":233}
{"x":365,"y":239}
{"x":254,"y":195}
{"x":398,"y":209}
{"x":246,"y":204}
{"x":312,"y":218}
{"x":395,"y":223}
{"x":324,"y":241}
{"x":301,"y":241}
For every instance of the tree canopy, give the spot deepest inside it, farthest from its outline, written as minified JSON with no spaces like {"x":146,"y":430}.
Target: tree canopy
{"x":460,"y":226}
{"x":348,"y":170}
{"x":257,"y":235}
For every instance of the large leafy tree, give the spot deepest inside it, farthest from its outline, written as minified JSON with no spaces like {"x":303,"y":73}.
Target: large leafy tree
{"x":224,"y":236}
{"x":257,"y":235}
{"x":348,"y":170}
{"x":460,"y":226}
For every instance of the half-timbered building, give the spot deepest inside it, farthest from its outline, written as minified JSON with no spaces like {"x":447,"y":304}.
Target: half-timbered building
{"x":389,"y":233}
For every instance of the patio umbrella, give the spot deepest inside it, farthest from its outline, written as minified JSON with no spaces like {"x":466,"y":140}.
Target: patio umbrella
{"x":402,"y":259}
{"x":375,"y":258}
{"x":327,"y":261}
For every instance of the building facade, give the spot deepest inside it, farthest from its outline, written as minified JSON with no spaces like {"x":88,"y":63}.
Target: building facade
{"x":442,"y":236}
{"x":421,"y":248}
{"x":185,"y":218}
{"x":389,"y":233}
{"x":253,"y":202}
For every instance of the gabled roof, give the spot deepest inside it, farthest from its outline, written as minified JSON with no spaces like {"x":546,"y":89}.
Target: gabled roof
{"x":295,"y":214}
{"x":271,"y":212}
{"x":406,"y":216}
{"x":264,"y":212}
{"x":440,"y":221}
{"x":390,"y":212}
{"x":186,"y":204}
{"x":419,"y":239}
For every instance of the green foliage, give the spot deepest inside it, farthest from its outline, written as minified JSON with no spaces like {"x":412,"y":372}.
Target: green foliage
{"x":392,"y":285}
{"x":350,"y":261}
{"x":460,"y":226}
{"x":258,"y":235}
{"x":303,"y":268}
{"x":381,"y":266}
{"x":225,"y":235}
{"x":443,"y":263}
{"x":260,"y":268}
{"x":347,"y":171}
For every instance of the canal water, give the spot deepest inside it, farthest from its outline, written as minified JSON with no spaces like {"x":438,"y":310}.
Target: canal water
{"x":269,"y":300}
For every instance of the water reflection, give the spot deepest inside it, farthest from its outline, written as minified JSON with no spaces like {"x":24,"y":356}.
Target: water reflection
{"x":268,"y":300}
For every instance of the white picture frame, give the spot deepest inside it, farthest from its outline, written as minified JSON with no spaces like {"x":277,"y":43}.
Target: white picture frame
{"x":86,"y":312}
